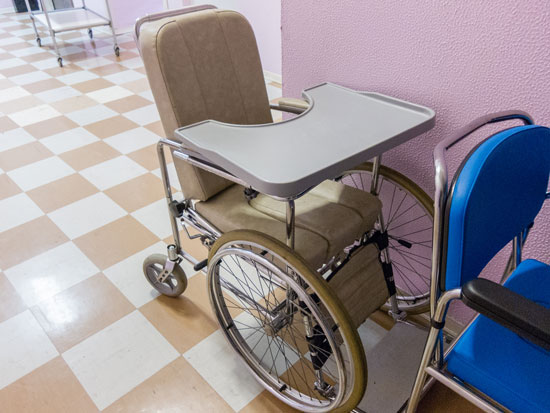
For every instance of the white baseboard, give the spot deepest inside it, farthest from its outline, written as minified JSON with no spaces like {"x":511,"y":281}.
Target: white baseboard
{"x":5,"y":10}
{"x":274,"y":77}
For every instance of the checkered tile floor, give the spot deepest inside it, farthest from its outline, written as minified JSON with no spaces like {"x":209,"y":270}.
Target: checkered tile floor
{"x":81,"y":206}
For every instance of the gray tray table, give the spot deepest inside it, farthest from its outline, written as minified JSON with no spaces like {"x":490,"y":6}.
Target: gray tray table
{"x":341,"y":129}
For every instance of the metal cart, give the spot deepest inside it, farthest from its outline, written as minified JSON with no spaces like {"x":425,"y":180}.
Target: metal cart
{"x":64,"y":20}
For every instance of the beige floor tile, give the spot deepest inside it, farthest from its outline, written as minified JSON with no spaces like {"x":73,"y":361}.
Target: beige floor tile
{"x":81,"y":311}
{"x":124,"y":55}
{"x":73,"y":104}
{"x":111,"y":126}
{"x":7,"y":124}
{"x":89,"y":155}
{"x":5,"y":83}
{"x":70,"y":35}
{"x":147,"y":157}
{"x":193,"y":247}
{"x":37,"y":57}
{"x":62,"y":192}
{"x":25,"y":241}
{"x":441,"y":399}
{"x":18,"y":70}
{"x":156,"y":127}
{"x":108,"y":69}
{"x":91,"y":85}
{"x":177,"y":387}
{"x":128,"y":103}
{"x":60,"y":71}
{"x":51,"y":388}
{"x":10,"y":302}
{"x":191,"y":309}
{"x":141,"y":70}
{"x":23,"y":155}
{"x":115,"y":241}
{"x":137,"y":193}
{"x":19,"y":104}
{"x":266,"y":402}
{"x":7,"y":187}
{"x":50,"y":127}
{"x":43,"y":85}
{"x":17,"y":46}
{"x":137,"y":86}
{"x":77,"y":57}
{"x":128,"y":45}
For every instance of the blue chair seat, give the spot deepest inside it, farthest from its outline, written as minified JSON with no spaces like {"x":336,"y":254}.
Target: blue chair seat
{"x":498,"y":362}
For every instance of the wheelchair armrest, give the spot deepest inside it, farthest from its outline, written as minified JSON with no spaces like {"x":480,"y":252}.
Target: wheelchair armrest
{"x":513,"y":311}
{"x":291,"y":105}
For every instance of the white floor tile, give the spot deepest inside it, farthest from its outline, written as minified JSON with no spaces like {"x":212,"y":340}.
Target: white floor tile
{"x":123,"y":77}
{"x":147,"y":95}
{"x":60,"y":93}
{"x":371,"y":334}
{"x":30,"y":78}
{"x":134,"y":63}
{"x":48,"y":63}
{"x":17,"y":210}
{"x":49,"y":273}
{"x":118,"y":358}
{"x":94,"y":62}
{"x":27,"y":52}
{"x":128,"y":276}
{"x":9,"y":63}
{"x":23,"y":347}
{"x":273,"y":92}
{"x":68,"y":140}
{"x":220,"y":366}
{"x":40,"y":173}
{"x":77,"y":77}
{"x":12,"y":93}
{"x":22,"y":32}
{"x":87,"y":214}
{"x":13,"y":138}
{"x":109,"y":93}
{"x":172,"y":176}
{"x":113,"y":172}
{"x":91,"y":115}
{"x":144,"y":115}
{"x":8,"y":41}
{"x":155,"y":218}
{"x":132,"y":140}
{"x":34,"y":115}
{"x":70,"y":50}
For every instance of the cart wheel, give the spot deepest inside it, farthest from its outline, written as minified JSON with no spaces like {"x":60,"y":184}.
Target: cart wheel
{"x":173,"y":285}
{"x":90,"y":33}
{"x":60,"y":61}
{"x":117,"y":51}
{"x":39,"y":41}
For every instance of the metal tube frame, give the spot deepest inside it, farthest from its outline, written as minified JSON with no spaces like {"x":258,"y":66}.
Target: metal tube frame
{"x":432,"y":362}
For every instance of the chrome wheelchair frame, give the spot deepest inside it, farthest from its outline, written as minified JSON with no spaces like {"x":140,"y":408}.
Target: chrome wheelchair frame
{"x":434,"y":354}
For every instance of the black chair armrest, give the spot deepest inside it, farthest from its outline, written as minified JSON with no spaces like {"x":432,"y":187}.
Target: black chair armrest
{"x":513,"y":311}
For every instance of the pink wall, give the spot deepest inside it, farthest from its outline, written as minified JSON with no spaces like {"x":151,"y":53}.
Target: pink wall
{"x":461,"y":58}
{"x":6,"y":4}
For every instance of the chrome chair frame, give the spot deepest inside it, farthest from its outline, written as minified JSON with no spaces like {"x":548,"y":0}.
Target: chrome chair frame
{"x":432,"y":362}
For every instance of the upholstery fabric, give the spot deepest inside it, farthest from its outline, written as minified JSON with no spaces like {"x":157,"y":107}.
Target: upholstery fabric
{"x":204,"y":65}
{"x":500,"y":363}
{"x":324,"y":225}
{"x":497,"y":194}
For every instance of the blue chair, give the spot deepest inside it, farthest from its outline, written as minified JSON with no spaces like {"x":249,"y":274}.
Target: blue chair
{"x":501,"y":361}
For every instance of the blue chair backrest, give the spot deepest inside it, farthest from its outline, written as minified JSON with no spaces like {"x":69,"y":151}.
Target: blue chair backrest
{"x":496,"y":194}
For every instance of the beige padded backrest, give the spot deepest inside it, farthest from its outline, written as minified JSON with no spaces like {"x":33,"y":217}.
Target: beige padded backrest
{"x":204,"y":65}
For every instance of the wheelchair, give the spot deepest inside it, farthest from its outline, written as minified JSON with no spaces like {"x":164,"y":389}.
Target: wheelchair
{"x":501,"y":360}
{"x":290,"y":278}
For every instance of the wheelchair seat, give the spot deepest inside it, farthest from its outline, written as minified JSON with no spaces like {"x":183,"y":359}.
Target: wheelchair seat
{"x":328,"y":218}
{"x":499,"y":362}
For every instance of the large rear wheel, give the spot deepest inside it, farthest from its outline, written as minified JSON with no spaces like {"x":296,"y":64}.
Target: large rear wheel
{"x":408,"y":216}
{"x":285,"y":322}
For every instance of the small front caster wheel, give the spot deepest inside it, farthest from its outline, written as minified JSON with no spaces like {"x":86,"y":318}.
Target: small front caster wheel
{"x":39,"y":41}
{"x":60,"y":61}
{"x":90,"y":33}
{"x":117,"y":51}
{"x":173,"y":285}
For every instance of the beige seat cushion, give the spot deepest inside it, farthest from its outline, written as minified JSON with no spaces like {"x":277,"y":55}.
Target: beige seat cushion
{"x":328,"y":218}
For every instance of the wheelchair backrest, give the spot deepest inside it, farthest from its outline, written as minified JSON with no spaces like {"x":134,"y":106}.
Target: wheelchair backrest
{"x":496,"y":194}
{"x":204,"y":65}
